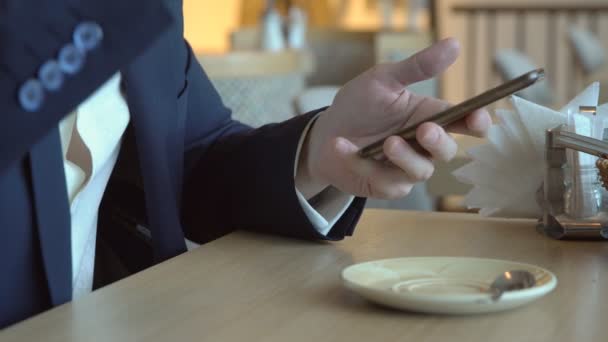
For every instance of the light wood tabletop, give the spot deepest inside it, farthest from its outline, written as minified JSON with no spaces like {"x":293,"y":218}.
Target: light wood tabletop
{"x":250,"y":287}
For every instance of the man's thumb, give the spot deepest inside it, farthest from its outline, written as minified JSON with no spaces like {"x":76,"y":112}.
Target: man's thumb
{"x":425,"y":64}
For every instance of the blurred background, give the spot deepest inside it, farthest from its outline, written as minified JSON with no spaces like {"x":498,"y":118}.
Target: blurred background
{"x":272,"y":60}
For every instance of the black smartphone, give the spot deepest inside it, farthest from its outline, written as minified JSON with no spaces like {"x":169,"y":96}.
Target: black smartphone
{"x":459,"y":111}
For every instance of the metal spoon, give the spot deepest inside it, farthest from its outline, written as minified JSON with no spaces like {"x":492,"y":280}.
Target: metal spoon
{"x":510,"y":281}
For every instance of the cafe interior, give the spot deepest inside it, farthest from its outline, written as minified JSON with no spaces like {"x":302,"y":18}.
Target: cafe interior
{"x":505,"y":242}
{"x":273,"y":76}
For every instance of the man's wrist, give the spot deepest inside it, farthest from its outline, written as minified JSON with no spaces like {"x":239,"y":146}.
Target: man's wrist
{"x":306,"y":180}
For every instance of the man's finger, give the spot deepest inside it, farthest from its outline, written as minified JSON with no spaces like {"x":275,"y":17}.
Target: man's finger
{"x":417,"y":167}
{"x":475,"y":124}
{"x":436,"y":141}
{"x":425,"y":64}
{"x":366,"y":177}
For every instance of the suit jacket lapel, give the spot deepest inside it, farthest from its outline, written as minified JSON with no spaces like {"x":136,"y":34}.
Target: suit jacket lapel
{"x":52,"y":215}
{"x":150,"y":84}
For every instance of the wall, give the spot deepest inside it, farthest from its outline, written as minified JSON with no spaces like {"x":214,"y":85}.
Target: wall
{"x":208,"y":23}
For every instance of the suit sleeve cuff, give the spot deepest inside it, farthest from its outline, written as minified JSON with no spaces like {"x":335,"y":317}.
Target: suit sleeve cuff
{"x":327,"y":207}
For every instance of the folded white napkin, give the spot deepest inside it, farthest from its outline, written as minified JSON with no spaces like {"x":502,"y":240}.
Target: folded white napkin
{"x":507,"y":171}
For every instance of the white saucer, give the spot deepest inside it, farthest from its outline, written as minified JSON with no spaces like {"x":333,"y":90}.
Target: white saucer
{"x":442,"y":284}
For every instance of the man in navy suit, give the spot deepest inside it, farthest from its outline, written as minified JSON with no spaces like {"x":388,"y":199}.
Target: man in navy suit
{"x":113,"y":142}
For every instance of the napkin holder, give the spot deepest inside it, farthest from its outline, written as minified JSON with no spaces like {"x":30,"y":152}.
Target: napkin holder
{"x":555,"y":222}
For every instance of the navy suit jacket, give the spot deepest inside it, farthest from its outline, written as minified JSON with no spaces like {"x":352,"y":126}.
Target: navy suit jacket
{"x":185,"y":167}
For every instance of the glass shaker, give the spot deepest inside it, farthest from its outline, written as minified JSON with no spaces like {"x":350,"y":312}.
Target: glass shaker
{"x":583,"y":190}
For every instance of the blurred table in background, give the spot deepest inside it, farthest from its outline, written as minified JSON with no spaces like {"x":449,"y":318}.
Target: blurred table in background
{"x":339,"y":55}
{"x":259,"y":87}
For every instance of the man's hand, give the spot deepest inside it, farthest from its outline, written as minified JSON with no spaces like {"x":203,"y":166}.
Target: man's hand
{"x":372,"y":106}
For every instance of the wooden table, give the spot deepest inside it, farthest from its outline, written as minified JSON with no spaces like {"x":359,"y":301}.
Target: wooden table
{"x":248,"y":287}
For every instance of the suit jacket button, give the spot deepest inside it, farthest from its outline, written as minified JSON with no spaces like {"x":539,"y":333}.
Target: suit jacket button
{"x":50,"y":75}
{"x":87,"y":35}
{"x":31,"y":95}
{"x":70,"y":59}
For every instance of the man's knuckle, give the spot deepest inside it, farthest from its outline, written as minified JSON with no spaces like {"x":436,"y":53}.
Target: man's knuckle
{"x":421,"y":67}
{"x":403,"y":190}
{"x":422,"y":173}
{"x":450,"y":155}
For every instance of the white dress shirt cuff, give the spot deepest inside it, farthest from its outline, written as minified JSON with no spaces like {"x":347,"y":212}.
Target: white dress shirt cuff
{"x":329,"y":205}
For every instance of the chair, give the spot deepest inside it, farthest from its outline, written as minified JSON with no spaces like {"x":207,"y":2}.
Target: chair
{"x":600,"y":76}
{"x":259,"y":87}
{"x":591,"y":57}
{"x":513,"y":63}
{"x":539,"y":29}
{"x":315,"y":97}
{"x":588,"y":49}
